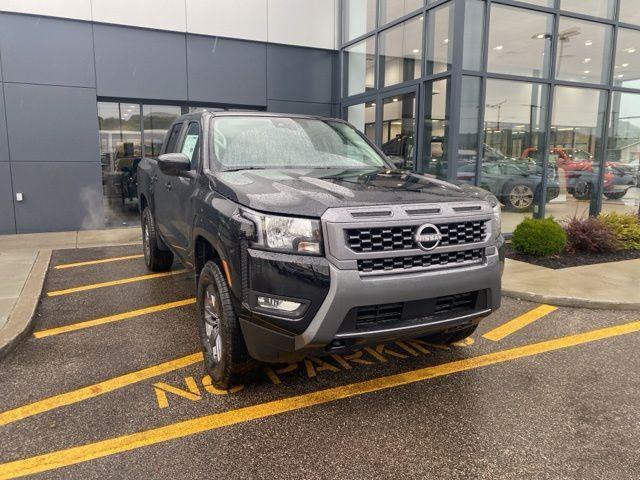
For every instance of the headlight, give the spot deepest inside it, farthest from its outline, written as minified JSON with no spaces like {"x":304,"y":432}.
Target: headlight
{"x":286,"y":234}
{"x":497,"y":215}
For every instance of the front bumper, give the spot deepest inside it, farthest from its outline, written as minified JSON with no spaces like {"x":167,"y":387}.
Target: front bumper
{"x":349,"y":289}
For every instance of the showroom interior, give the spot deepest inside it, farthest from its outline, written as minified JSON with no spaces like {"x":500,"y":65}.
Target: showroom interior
{"x":537,"y":101}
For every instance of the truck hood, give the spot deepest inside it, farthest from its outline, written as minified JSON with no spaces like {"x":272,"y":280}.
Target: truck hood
{"x":309,"y":192}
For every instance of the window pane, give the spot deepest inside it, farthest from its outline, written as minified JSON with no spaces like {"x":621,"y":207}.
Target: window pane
{"x":470,"y":111}
{"x":595,"y":8}
{"x":583,"y":51}
{"x":514,"y":130}
{"x":473,"y":29}
{"x":519,"y":41}
{"x":363,"y":117}
{"x":191,"y":144}
{"x":359,"y":67}
{"x":120,"y":153}
{"x":629,"y":11}
{"x":542,"y":3}
{"x":576,"y":136}
{"x":439,"y":31}
{"x":436,"y":128}
{"x":398,"y":129}
{"x":358,"y":18}
{"x":157,"y":119}
{"x":400,"y":52}
{"x":392,"y":9}
{"x":622,"y":177}
{"x":627,"y":67}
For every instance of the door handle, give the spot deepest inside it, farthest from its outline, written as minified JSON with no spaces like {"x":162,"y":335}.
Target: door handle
{"x":168,"y":185}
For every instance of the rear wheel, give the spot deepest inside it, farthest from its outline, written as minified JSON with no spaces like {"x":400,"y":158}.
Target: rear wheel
{"x":451,"y":337}
{"x":156,"y":259}
{"x":615,"y":195}
{"x":582,"y":190}
{"x":226,"y":358}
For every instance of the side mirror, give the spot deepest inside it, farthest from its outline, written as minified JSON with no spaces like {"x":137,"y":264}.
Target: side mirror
{"x":174,"y":163}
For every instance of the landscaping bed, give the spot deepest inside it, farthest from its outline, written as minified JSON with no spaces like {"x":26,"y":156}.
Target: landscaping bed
{"x":566,"y":260}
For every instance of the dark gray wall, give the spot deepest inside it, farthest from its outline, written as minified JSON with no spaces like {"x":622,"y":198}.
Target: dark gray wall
{"x":52,"y":71}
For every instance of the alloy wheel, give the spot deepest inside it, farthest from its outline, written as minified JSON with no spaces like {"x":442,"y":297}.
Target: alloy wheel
{"x":213,"y":340}
{"x":521,"y":196}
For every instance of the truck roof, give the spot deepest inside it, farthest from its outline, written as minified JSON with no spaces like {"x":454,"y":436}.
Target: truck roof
{"x":254,"y":113}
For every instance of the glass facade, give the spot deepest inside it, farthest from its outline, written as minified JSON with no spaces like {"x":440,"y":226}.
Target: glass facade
{"x":539,"y":105}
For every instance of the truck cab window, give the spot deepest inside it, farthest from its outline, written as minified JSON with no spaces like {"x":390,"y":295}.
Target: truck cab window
{"x":173,"y":138}
{"x":191,"y":144}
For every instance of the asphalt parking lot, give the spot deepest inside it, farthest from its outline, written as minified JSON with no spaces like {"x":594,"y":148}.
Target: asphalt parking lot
{"x":111,"y":385}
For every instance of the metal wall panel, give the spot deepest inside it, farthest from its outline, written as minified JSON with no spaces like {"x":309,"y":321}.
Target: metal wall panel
{"x":222,"y":70}
{"x":283,"y":106}
{"x":7,"y":220}
{"x":46,"y":51}
{"x":46,"y":123}
{"x":58,"y":196}
{"x":4,"y":147}
{"x":138,"y":63}
{"x":299,"y":74}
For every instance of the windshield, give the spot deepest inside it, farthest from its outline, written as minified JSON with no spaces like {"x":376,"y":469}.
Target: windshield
{"x":275,"y":142}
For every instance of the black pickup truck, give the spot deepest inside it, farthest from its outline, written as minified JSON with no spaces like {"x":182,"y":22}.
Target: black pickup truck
{"x":305,"y":239}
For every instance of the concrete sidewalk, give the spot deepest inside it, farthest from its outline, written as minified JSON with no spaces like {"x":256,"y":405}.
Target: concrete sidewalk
{"x":612,"y":286}
{"x":24,"y":260}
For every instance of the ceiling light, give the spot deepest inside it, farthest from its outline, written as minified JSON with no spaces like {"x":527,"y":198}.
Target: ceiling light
{"x":540,"y":36}
{"x":421,"y":18}
{"x":625,"y":65}
{"x":621,"y":75}
{"x":586,"y":60}
{"x":415,"y":50}
{"x":588,"y":43}
{"x":395,"y":99}
{"x":446,"y":40}
{"x":499,"y":47}
{"x":587,"y":71}
{"x":373,"y":104}
{"x":630,"y":50}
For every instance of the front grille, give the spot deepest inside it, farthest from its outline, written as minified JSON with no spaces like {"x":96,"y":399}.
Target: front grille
{"x":451,"y":303}
{"x":419,"y":261}
{"x":377,"y":314}
{"x":401,"y":238}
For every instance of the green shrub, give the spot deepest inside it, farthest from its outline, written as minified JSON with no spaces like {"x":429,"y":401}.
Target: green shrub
{"x":626,"y":227}
{"x":539,"y":237}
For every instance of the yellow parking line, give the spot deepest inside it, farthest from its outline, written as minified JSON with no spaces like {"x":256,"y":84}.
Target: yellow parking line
{"x":96,"y":389}
{"x":112,"y":318}
{"x":517,"y":323}
{"x":122,"y":281}
{"x":96,"y":262}
{"x":83,"y":453}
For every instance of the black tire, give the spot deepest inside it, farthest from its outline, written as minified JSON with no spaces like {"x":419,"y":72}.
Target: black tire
{"x":615,"y":195}
{"x":451,"y":337}
{"x":226,"y":358}
{"x":519,"y":197}
{"x":156,"y":259}
{"x":582,"y":190}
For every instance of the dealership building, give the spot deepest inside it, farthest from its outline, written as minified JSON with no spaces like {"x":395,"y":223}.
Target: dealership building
{"x":537,"y":101}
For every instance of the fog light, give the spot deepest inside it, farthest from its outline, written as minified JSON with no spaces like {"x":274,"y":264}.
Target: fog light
{"x":278,"y":304}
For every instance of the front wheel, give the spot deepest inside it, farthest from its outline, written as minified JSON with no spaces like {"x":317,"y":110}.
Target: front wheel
{"x":155,"y":259}
{"x":582,"y":190}
{"x":519,"y":198}
{"x":452,"y":337}
{"x":225,"y":354}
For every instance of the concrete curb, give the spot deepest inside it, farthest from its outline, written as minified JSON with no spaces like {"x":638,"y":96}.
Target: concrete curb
{"x":574,"y":302}
{"x":20,"y":320}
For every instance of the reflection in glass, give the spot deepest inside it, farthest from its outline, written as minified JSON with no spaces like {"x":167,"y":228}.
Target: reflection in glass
{"x":120,"y":153}
{"x":583,"y":51}
{"x":576,"y":136}
{"x":629,"y":11}
{"x":398,"y":129}
{"x":469,"y":117}
{"x":439,"y":39}
{"x":512,"y":163}
{"x":436,"y":128}
{"x":623,"y":154}
{"x":595,"y":8}
{"x":542,"y":3}
{"x":519,"y":41}
{"x":359,"y":67}
{"x":400,"y":52}
{"x":363,"y":117}
{"x":627,"y":66}
{"x":156,"y":121}
{"x":392,"y":9}
{"x":358,"y":18}
{"x":473,"y":37}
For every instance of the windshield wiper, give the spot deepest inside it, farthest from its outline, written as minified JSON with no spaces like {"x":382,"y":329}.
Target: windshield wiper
{"x":244,"y":168}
